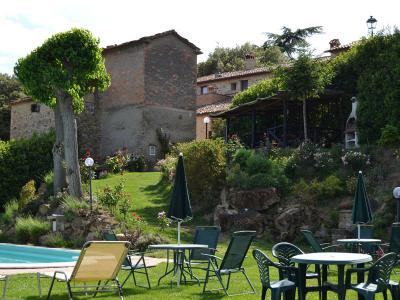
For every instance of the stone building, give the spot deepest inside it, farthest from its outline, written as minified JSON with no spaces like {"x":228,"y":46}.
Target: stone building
{"x":153,"y":85}
{"x":215,"y":92}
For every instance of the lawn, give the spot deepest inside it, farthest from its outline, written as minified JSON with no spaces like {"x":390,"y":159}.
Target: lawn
{"x":148,"y":198}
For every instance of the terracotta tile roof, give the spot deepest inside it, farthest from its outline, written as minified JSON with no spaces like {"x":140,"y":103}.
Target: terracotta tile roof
{"x":342,"y":47}
{"x":225,"y":75}
{"x":213,"y":108}
{"x":147,"y":39}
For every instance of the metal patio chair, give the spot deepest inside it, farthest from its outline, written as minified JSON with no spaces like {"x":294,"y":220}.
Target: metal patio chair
{"x":206,"y":235}
{"x":232,"y":262}
{"x":99,"y":261}
{"x":314,"y":244}
{"x":137,"y":266}
{"x":284,"y":286}
{"x":378,"y":280}
{"x":284,"y":252}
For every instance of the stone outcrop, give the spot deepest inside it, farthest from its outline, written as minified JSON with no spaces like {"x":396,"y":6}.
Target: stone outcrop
{"x":259,"y":200}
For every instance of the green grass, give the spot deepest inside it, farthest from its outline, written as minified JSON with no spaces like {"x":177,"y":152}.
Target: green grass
{"x":148,"y":198}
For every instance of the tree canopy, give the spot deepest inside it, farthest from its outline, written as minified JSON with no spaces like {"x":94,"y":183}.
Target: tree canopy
{"x":69,"y":61}
{"x":233,"y":59}
{"x":291,"y":41}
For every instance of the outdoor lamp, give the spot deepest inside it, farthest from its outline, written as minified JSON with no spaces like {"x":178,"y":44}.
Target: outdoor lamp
{"x":89,"y":162}
{"x":371,"y":23}
{"x":206,"y":120}
{"x":396,"y":195}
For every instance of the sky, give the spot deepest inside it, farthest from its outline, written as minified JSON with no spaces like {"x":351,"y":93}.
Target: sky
{"x":25,"y":24}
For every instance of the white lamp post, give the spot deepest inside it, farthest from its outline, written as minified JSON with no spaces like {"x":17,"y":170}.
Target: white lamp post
{"x":396,"y":195}
{"x":89,"y":163}
{"x":206,"y":120}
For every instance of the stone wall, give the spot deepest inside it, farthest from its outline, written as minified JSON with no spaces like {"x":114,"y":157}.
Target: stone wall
{"x":24,"y":122}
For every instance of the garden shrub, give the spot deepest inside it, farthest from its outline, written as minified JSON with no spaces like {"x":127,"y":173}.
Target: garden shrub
{"x":355,"y":161}
{"x":24,"y":160}
{"x":251,"y":170}
{"x":49,"y":182}
{"x":390,"y":136}
{"x":54,"y":240}
{"x":117,"y":162}
{"x":167,"y":168}
{"x":112,"y":197}
{"x":73,"y":206}
{"x":10,"y":211}
{"x":326,"y":189}
{"x":136,"y":163}
{"x":29,"y":229}
{"x":205,"y":164}
{"x":27,"y":194}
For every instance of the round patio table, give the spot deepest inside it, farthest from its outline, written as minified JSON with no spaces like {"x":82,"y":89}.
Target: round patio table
{"x":179,"y":258}
{"x":325,"y":259}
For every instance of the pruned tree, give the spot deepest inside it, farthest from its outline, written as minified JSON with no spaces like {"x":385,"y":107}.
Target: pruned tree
{"x":306,"y":79}
{"x":60,"y":73}
{"x":290,"y":41}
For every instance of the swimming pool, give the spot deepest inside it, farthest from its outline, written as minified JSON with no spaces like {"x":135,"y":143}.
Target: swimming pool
{"x":20,"y":257}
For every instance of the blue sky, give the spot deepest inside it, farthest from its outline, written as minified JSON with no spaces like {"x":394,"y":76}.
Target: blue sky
{"x":25,"y":24}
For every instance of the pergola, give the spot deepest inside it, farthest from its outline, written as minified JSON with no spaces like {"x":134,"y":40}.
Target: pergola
{"x":280,"y":107}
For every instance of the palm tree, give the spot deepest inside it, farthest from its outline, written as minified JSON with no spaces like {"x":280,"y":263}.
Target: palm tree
{"x":291,"y":41}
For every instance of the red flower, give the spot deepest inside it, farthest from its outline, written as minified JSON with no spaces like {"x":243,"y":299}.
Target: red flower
{"x":138,"y":218}
{"x":134,"y":214}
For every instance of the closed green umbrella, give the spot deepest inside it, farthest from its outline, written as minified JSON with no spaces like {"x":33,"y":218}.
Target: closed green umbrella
{"x":361,"y":209}
{"x":179,"y":207}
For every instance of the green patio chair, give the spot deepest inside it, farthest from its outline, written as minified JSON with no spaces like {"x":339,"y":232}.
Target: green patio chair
{"x":284,"y":252}
{"x":232,"y":262}
{"x":283,"y":286}
{"x":206,"y":235}
{"x":378,"y":277}
{"x":133,"y":267}
{"x":314,"y":244}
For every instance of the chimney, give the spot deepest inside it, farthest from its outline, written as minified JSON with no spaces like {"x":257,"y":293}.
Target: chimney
{"x":250,"y":61}
{"x":334,"y":44}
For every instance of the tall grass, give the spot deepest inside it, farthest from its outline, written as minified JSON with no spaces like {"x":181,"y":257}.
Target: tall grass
{"x":29,"y":229}
{"x":10,"y":210}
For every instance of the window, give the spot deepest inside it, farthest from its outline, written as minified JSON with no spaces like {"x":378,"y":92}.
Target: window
{"x":244,"y":84}
{"x":233,"y":86}
{"x":152,"y":150}
{"x":204,"y":90}
{"x":35,"y":107}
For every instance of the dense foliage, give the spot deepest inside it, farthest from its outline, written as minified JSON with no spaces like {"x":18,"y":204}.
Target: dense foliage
{"x":233,"y":59}
{"x":371,"y":71}
{"x":10,"y":89}
{"x":22,"y":161}
{"x":205,"y":164}
{"x":251,"y":170}
{"x":264,"y":88}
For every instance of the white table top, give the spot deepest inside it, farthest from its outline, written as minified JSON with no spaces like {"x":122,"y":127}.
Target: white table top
{"x":360,"y":241}
{"x":331,"y":258}
{"x":178,"y":246}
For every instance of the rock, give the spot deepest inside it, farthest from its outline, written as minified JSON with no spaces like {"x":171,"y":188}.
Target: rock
{"x":44,"y":209}
{"x":92,"y":236}
{"x":259,"y":200}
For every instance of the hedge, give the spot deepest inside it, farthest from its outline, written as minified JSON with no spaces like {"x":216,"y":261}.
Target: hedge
{"x":23,"y":160}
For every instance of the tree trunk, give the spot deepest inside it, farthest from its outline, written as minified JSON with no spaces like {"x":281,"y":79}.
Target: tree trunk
{"x":58,"y":153}
{"x":305,"y":120}
{"x":70,"y":147}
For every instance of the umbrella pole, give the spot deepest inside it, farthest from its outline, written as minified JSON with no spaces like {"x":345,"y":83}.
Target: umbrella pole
{"x":358,"y":230}
{"x":179,"y":232}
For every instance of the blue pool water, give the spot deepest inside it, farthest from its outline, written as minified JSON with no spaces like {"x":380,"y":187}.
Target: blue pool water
{"x":20,"y":254}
